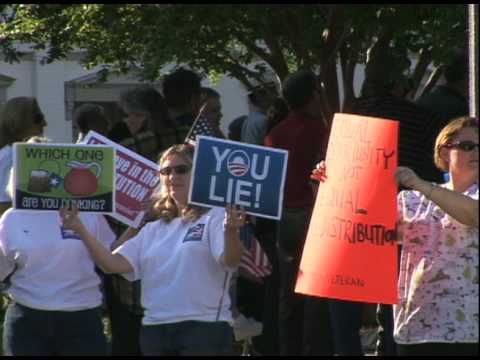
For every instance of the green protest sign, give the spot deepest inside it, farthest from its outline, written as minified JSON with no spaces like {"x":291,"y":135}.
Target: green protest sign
{"x":48,"y":177}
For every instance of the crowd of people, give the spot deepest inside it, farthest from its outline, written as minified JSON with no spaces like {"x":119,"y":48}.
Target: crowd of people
{"x":172,"y":286}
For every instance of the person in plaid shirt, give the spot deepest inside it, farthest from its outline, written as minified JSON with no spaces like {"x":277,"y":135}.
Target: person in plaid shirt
{"x":147,"y":130}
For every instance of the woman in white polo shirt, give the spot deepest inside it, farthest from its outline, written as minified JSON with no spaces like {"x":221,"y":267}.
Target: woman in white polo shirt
{"x":55,"y":296}
{"x":184,"y":260}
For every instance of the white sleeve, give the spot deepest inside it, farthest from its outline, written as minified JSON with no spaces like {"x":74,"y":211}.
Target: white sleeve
{"x":400,"y":206}
{"x":103,"y":232}
{"x":7,"y":262}
{"x":400,"y":217}
{"x":131,"y":250}
{"x":216,"y":234}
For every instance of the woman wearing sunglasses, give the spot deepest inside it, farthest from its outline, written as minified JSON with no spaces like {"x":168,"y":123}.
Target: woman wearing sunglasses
{"x":437,"y":308}
{"x":184,"y":260}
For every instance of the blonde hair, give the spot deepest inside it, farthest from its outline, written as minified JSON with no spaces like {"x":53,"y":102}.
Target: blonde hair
{"x":447,"y":134}
{"x":163,"y":205}
{"x":16,"y":118}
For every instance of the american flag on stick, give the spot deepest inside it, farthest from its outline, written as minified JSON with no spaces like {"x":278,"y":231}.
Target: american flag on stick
{"x":201,"y":126}
{"x":254,"y":260}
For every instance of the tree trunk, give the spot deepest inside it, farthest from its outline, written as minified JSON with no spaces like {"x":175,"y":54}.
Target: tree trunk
{"x":348,"y":61}
{"x":432,"y":81}
{"x":422,"y":66}
{"x":329,"y":79}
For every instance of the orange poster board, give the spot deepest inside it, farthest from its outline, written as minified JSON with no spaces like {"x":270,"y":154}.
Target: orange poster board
{"x":350,"y":251}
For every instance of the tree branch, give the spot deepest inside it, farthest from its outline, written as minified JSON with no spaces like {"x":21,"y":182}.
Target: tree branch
{"x":348,"y":61}
{"x":422,"y":65}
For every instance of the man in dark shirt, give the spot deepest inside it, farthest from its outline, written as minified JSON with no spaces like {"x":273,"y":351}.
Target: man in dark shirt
{"x":418,"y":128}
{"x":304,"y":327}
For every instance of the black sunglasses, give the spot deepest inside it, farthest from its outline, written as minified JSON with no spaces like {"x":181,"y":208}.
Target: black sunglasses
{"x":179,"y":170}
{"x":462,"y":145}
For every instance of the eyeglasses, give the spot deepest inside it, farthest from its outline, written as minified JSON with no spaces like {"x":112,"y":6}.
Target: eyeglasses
{"x":179,"y":170}
{"x":462,"y":145}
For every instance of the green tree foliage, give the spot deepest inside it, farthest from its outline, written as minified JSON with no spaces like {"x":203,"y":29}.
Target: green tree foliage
{"x":225,"y":39}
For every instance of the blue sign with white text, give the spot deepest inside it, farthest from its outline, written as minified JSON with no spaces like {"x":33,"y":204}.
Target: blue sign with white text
{"x":232,"y":172}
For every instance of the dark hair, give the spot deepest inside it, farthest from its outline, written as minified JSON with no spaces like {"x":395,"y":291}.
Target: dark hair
{"x":262,"y":95}
{"x":16,"y":117}
{"x":88,"y":114}
{"x":457,"y":68}
{"x":147,"y":99}
{"x":209,"y":93}
{"x":298,"y":88}
{"x":179,"y":87}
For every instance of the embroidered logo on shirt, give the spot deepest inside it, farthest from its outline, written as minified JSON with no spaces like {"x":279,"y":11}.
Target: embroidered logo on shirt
{"x":69,"y":234}
{"x":194,"y":233}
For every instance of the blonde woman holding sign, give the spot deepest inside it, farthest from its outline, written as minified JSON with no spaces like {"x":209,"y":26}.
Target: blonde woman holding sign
{"x":184,"y":260}
{"x":437,"y":310}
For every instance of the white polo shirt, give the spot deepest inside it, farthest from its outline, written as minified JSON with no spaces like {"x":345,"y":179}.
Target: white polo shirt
{"x":55,"y":270}
{"x":180,"y":266}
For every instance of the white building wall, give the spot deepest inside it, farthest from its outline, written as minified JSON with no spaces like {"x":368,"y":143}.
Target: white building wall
{"x":233,"y":99}
{"x":47,"y":84}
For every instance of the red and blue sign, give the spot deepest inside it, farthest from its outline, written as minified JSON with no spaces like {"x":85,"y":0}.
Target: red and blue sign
{"x":248,"y":175}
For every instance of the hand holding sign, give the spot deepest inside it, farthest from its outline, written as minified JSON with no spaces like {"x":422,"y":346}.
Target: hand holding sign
{"x":320,"y":172}
{"x":234,"y":217}
{"x":349,"y":253}
{"x":70,"y":219}
{"x":227,"y":172}
{"x":407,"y":177}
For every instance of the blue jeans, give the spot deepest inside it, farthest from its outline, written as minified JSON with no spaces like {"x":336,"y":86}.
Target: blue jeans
{"x":38,"y":332}
{"x":187,"y":338}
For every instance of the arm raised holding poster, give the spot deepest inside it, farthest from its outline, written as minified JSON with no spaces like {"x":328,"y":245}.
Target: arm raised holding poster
{"x":462,"y":208}
{"x":196,"y":247}
{"x":350,"y":252}
{"x":438,"y":231}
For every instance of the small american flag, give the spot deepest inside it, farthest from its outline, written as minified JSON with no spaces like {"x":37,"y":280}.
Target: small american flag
{"x":201,"y":126}
{"x":254,"y":260}
{"x":194,"y":233}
